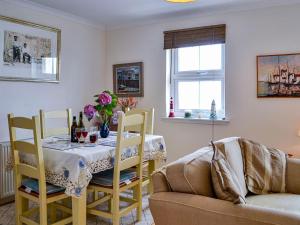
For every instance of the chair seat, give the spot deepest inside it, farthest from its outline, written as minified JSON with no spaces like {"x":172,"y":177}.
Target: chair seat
{"x":32,"y":185}
{"x":284,"y":202}
{"x":106,"y":177}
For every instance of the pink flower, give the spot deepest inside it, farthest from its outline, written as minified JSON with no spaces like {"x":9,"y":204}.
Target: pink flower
{"x":89,"y":111}
{"x":104,"y":99}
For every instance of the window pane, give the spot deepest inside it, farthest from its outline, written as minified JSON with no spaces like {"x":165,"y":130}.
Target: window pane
{"x":188,"y":59}
{"x":210,"y":90}
{"x":211,"y":57}
{"x":188,"y":94}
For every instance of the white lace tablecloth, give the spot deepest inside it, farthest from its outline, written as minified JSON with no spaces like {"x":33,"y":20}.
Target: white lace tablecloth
{"x":72,"y":168}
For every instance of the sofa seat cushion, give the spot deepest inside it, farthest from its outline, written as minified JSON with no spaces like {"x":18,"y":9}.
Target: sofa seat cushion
{"x":231,"y":149}
{"x":280,"y":201}
{"x":191,"y":174}
{"x":171,"y":208}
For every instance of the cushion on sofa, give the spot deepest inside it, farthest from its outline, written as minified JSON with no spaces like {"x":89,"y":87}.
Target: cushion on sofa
{"x":191,"y":174}
{"x":265,"y":168}
{"x":279,"y":201}
{"x":231,"y":149}
{"x":225,"y":182}
{"x":160,"y":183}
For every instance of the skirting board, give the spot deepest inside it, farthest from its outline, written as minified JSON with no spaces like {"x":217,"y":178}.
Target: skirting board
{"x":7,"y":200}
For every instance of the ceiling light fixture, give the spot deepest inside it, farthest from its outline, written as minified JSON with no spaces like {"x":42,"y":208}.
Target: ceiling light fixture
{"x":180,"y":1}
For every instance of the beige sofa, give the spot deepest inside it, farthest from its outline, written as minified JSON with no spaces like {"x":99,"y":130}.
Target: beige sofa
{"x":183,"y":195}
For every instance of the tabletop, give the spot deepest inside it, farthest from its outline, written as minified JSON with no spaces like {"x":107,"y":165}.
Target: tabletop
{"x":72,"y":166}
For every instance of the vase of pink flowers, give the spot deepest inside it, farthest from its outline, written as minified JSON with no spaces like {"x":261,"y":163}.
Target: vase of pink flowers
{"x":127,"y":103}
{"x":103,"y":110}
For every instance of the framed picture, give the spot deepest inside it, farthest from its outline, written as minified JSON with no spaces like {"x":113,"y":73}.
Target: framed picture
{"x":29,"y":51}
{"x":128,"y":79}
{"x":278,"y":75}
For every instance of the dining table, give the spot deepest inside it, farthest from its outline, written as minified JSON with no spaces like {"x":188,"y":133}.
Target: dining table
{"x":72,"y":165}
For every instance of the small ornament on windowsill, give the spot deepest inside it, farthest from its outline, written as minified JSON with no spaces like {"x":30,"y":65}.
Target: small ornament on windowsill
{"x":171,"y":114}
{"x":213,"y":112}
{"x":213,"y":117}
{"x":187,"y":114}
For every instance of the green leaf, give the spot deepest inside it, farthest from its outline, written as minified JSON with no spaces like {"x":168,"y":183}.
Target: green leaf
{"x":98,"y":107}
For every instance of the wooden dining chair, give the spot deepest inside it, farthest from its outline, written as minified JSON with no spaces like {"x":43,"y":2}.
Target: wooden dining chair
{"x":150,"y":119}
{"x":30,"y":181}
{"x":148,"y":166}
{"x":126,"y":174}
{"x":63,"y":114}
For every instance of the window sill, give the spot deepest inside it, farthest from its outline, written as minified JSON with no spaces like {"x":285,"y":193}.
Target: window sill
{"x":196,"y":120}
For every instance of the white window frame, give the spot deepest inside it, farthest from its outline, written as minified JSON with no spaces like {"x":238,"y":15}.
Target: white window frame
{"x":201,"y":75}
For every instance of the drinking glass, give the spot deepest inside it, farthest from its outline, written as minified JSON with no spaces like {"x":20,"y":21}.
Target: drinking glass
{"x":78,"y":134}
{"x":93,"y":134}
{"x":84,"y":132}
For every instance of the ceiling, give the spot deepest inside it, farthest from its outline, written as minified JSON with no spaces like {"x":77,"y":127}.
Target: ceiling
{"x":114,"y":13}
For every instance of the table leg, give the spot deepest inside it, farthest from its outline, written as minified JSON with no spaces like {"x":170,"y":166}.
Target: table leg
{"x":79,"y":209}
{"x":151,"y":169}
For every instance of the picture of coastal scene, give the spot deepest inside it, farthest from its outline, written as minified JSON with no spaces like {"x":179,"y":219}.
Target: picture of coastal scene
{"x":278,"y":76}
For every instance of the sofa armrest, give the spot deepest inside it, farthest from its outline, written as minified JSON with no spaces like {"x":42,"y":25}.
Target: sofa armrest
{"x":172,"y":208}
{"x":293,"y":176}
{"x":159,"y":180}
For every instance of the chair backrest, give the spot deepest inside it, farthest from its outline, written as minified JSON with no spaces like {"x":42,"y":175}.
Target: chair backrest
{"x":150,"y":119}
{"x":63,"y":114}
{"x":138,"y":120}
{"x":33,"y":148}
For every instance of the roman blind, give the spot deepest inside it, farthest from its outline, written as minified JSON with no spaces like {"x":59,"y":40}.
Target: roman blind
{"x":195,"y":36}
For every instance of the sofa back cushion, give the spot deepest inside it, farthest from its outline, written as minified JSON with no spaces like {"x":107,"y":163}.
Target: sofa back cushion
{"x":232,"y":152}
{"x":192,"y":174}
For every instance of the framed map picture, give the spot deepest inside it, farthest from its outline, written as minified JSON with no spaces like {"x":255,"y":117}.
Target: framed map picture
{"x":29,"y":51}
{"x":128,"y":80}
{"x":278,"y":75}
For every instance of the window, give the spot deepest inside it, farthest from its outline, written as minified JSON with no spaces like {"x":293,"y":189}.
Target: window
{"x":197,"y":78}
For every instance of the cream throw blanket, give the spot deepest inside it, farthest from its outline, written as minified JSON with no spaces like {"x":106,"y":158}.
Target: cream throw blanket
{"x":264,"y":168}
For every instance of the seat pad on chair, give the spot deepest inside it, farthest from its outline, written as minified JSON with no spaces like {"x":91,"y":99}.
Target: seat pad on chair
{"x":32,"y":185}
{"x":106,"y":177}
{"x":285,"y":202}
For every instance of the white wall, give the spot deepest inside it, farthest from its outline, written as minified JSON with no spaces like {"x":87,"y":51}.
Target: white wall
{"x":82,"y":68}
{"x":249,"y":33}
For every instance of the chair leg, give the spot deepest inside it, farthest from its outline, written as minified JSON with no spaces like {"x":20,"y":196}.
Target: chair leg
{"x":43,"y":214}
{"x":116,"y":210}
{"x":151,"y":169}
{"x":19,"y":208}
{"x":139,"y":196}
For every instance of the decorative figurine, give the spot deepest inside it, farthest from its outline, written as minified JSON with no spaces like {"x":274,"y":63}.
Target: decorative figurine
{"x":213,"y":112}
{"x":213,"y":117}
{"x":187,"y":113}
{"x":171,"y":114}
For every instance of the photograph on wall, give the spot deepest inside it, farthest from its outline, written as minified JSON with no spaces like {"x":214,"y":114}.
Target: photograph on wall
{"x":278,"y":75}
{"x":29,"y":52}
{"x":23,"y":50}
{"x":128,"y":79}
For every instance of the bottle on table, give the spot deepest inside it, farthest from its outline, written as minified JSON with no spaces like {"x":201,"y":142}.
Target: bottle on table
{"x":73,"y":130}
{"x":80,"y":123}
{"x":81,"y":130}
